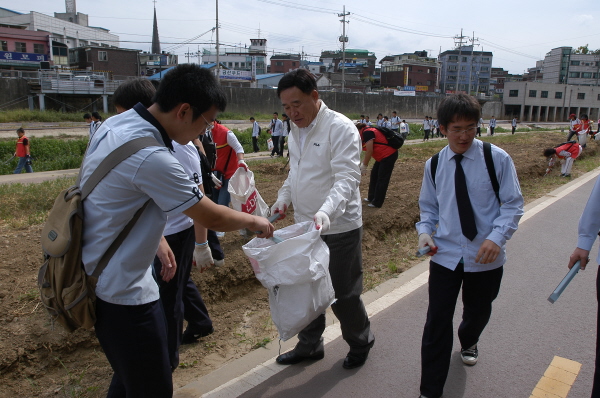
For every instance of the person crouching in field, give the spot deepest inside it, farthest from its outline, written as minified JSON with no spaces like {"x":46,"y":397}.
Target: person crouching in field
{"x":375,"y":146}
{"x":569,"y":151}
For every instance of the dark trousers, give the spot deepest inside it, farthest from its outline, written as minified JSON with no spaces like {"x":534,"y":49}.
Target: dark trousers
{"x":571,"y":134}
{"x":380,"y":179}
{"x":345,"y":267}
{"x":513,"y":129}
{"x":215,"y":246}
{"x":492,"y":130}
{"x":426,"y":137}
{"x":479,"y":131}
{"x":479,"y":290}
{"x":134,"y":340}
{"x":171,"y":293}
{"x":276,"y":146}
{"x":194,"y":309}
{"x":596,"y":387}
{"x":255,"y":144}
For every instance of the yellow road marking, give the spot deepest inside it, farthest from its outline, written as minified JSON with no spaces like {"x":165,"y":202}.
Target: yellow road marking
{"x":557,"y":380}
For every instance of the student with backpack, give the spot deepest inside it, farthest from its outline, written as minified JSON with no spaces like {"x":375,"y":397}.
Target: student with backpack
{"x":375,"y":145}
{"x":130,"y":323}
{"x":569,"y":151}
{"x":471,"y":205}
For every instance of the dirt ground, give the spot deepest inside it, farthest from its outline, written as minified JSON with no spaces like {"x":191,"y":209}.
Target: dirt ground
{"x":36,"y":361}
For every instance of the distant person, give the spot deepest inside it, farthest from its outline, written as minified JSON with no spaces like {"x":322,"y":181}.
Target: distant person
{"x":276,"y":135}
{"x":574,"y":126}
{"x":480,"y":125}
{"x":426,"y":128}
{"x":96,"y":121}
{"x":395,"y":121}
{"x":131,"y":324}
{"x":583,"y":130}
{"x":286,"y":132}
{"x":23,"y":153}
{"x":375,"y":146}
{"x":386,"y":123}
{"x":589,"y":225}
{"x":513,"y":124}
{"x":362,"y":119}
{"x":470,"y":225}
{"x":568,"y":152}
{"x":88,"y":119}
{"x":380,"y":120}
{"x":368,"y":121}
{"x":492,"y":125}
{"x":404,"y":129}
{"x":255,"y":134}
{"x":324,"y":188}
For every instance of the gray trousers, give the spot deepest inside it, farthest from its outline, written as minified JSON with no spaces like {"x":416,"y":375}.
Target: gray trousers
{"x":345,"y":267}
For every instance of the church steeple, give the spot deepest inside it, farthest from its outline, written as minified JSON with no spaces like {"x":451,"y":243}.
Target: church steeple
{"x":155,"y":39}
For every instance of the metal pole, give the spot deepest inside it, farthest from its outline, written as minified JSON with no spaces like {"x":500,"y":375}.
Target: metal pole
{"x":471,"y":65}
{"x":217,"y":47}
{"x":343,"y":39}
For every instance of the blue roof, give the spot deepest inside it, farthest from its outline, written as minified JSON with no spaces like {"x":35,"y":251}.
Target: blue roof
{"x":2,"y":8}
{"x":212,"y":65}
{"x":268,"y":75}
{"x":160,"y":75}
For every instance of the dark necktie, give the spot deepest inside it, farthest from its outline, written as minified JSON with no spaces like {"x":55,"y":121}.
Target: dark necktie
{"x":465,"y":210}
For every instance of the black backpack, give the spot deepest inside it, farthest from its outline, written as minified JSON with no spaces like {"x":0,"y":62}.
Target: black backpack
{"x":393,"y":138}
{"x":489,"y":162}
{"x":573,"y":142}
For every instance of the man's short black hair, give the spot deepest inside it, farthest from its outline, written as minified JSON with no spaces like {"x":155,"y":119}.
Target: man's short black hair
{"x":458,"y":107}
{"x":133,"y":91}
{"x":275,"y":113}
{"x":252,"y":118}
{"x":87,"y":116}
{"x":20,"y":130}
{"x":549,"y":152}
{"x":300,"y":78}
{"x":96,"y":115}
{"x":190,"y":84}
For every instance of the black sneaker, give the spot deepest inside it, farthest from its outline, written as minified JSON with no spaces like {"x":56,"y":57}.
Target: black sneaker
{"x":190,"y":337}
{"x":469,"y":355}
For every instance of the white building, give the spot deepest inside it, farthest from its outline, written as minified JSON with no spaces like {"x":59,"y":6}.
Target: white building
{"x":252,"y":59}
{"x":63,"y":34}
{"x":561,"y":65}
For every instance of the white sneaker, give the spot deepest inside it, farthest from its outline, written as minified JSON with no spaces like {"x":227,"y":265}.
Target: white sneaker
{"x":220,"y":234}
{"x":219,"y":263}
{"x":469,"y":355}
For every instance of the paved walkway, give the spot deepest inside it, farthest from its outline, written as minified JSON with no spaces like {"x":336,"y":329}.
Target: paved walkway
{"x":530,"y":348}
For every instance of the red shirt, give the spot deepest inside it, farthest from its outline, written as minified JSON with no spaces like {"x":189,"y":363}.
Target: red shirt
{"x":380,"y":148}
{"x":22,"y":147}
{"x":226,"y":158}
{"x":573,"y":149}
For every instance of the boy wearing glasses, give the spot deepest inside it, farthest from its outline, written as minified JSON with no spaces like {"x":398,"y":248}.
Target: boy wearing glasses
{"x":459,"y":205}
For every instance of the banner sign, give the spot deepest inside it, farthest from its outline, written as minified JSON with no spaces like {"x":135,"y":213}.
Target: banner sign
{"x":6,"y":56}
{"x":235,"y":74}
{"x":404,"y":93}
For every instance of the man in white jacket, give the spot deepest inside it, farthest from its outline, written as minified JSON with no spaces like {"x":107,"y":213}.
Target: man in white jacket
{"x":323,"y":185}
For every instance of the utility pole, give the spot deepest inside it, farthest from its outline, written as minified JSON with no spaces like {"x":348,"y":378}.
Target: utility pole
{"x":344,"y":40}
{"x":458,"y":40}
{"x":217,"y":46}
{"x":473,"y":40}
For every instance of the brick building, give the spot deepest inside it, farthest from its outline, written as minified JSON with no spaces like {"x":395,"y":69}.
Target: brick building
{"x":410,"y":69}
{"x":283,"y":63}
{"x":22,"y":49}
{"x":117,"y":62}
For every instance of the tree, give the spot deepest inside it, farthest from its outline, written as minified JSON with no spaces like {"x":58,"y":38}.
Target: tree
{"x":582,"y":50}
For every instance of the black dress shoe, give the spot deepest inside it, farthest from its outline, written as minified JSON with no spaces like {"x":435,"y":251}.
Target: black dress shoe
{"x":191,"y":336}
{"x":354,"y":360}
{"x":292,"y":358}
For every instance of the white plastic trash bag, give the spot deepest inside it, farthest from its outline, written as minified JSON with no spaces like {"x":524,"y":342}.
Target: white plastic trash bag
{"x":244,"y":195}
{"x":296,"y":273}
{"x":270,"y":144}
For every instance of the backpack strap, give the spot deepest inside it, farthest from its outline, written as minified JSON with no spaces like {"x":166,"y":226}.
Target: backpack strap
{"x":113,"y":159}
{"x":489,"y":162}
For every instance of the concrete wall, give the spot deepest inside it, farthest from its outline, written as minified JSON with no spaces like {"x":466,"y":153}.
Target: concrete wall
{"x":252,"y":101}
{"x":13,"y":91}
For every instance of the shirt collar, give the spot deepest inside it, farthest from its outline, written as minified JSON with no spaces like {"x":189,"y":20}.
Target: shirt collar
{"x":470,"y":154}
{"x":147,"y":116}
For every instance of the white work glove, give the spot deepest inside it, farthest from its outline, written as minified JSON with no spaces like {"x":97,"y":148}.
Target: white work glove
{"x":243,"y":164}
{"x":426,"y":240}
{"x":279,"y":207}
{"x":202,"y":256}
{"x":216,"y":181}
{"x":321,"y":221}
{"x":363,"y":168}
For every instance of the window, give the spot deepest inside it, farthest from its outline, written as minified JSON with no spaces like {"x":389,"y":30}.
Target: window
{"x":574,"y":74}
{"x":429,"y":82}
{"x":574,"y":63}
{"x":580,"y":95}
{"x":485,"y":59}
{"x":532,"y":93}
{"x":485,"y":69}
{"x":452,"y":67}
{"x":462,"y":87}
{"x":237,"y":65}
{"x":453,"y":58}
{"x":463,"y":68}
{"x":20,"y":47}
{"x":586,"y":75}
{"x":598,"y":97}
{"x":513,"y":93}
{"x":452,"y":78}
{"x":3,"y":45}
{"x":544,"y":94}
{"x":558,"y":95}
{"x":102,"y":56}
{"x":38,"y":48}
{"x":464,"y":59}
{"x":409,"y":82}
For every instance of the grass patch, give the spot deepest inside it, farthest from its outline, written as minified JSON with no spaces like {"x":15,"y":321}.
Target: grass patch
{"x":48,"y":116}
{"x":22,"y":205}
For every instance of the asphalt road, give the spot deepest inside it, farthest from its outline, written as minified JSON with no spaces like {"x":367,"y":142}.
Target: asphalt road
{"x":524,"y":337}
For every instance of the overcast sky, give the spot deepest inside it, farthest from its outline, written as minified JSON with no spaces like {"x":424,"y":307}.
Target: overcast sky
{"x":518,"y":32}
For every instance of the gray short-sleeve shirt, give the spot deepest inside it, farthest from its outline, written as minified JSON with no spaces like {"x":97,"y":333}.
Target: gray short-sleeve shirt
{"x":151,"y":173}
